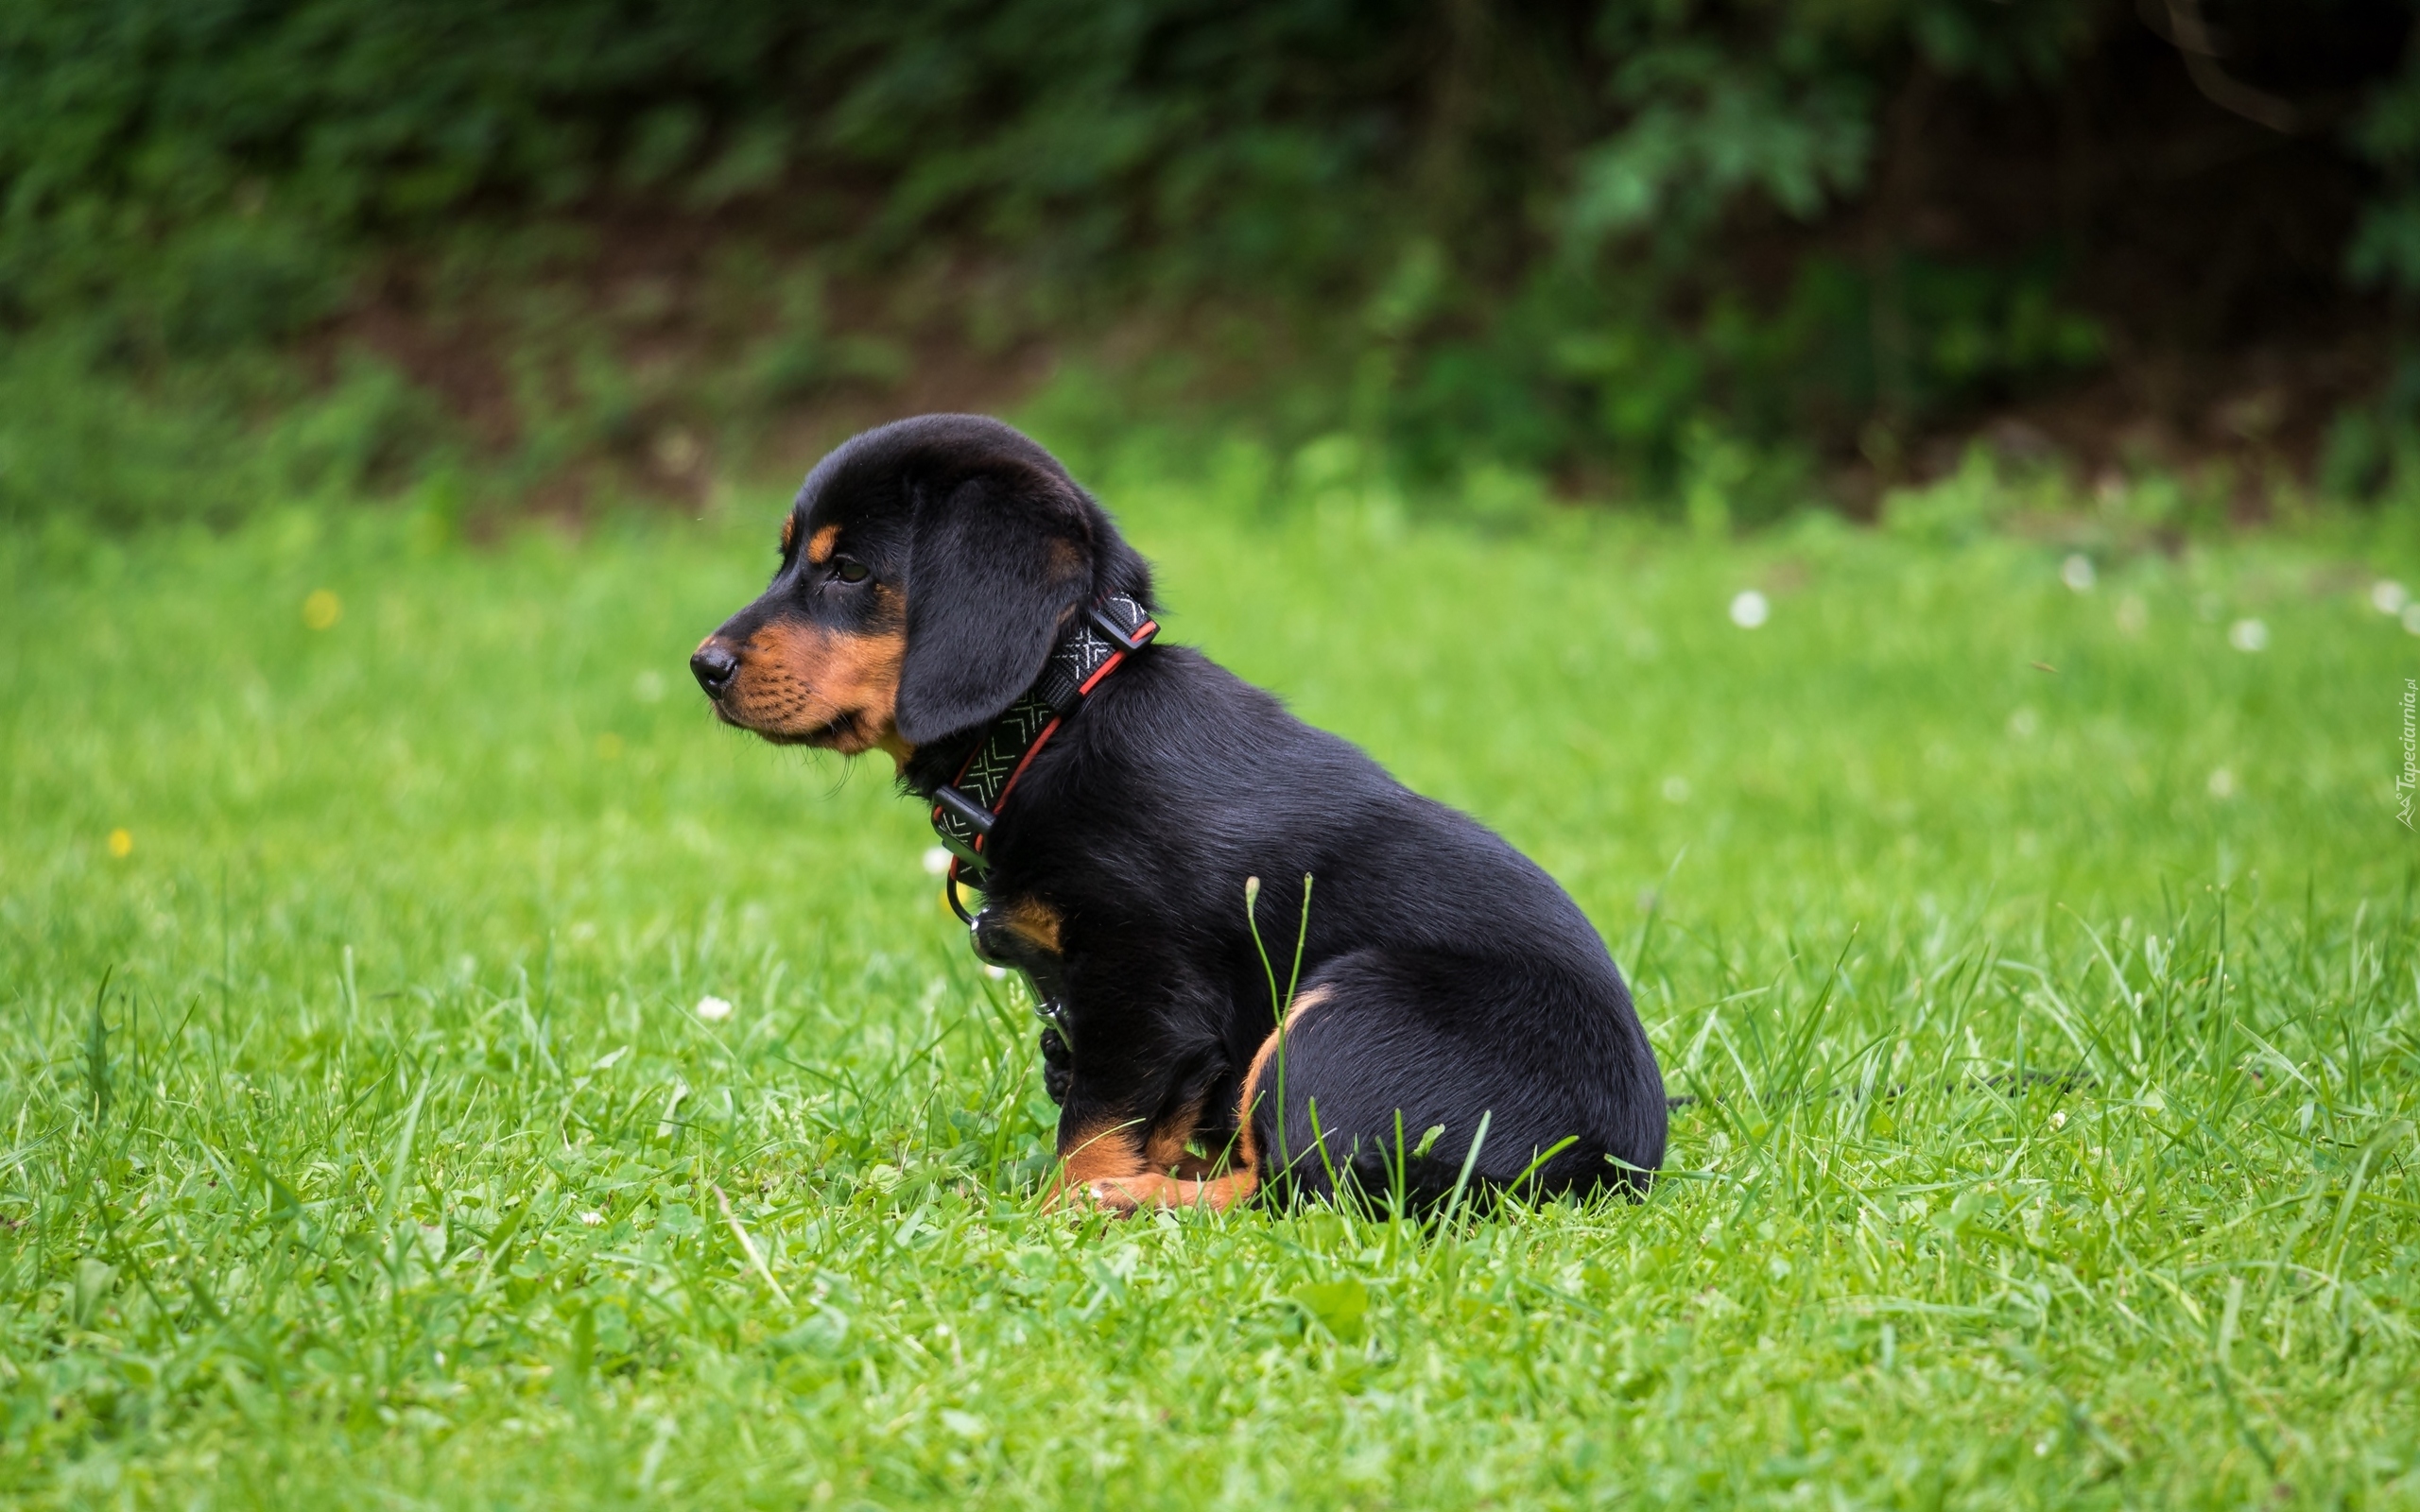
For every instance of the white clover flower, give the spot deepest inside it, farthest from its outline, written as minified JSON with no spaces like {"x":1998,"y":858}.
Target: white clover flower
{"x":592,"y":1218}
{"x":2248,"y":635}
{"x":1676,"y":790}
{"x":713,"y":1009}
{"x":2222,"y":783}
{"x":2077,"y":573}
{"x":936,"y":860}
{"x":1750,"y":609}
{"x":2389,"y":596}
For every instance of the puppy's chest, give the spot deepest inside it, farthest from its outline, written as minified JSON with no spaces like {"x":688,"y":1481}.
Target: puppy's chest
{"x":1106,"y":982}
{"x":1024,"y":933}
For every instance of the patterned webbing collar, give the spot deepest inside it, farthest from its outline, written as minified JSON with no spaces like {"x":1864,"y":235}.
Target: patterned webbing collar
{"x":965,"y":810}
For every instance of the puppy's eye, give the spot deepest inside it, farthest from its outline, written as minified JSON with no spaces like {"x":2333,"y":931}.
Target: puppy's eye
{"x":849,"y":572}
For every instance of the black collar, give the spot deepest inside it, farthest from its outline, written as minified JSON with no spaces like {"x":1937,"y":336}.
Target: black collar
{"x":964,"y":810}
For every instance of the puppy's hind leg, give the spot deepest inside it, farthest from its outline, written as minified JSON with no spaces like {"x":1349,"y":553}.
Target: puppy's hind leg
{"x":1384,"y":1082}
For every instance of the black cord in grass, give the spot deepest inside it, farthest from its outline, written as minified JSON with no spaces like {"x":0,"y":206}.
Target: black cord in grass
{"x":2001,"y":1081}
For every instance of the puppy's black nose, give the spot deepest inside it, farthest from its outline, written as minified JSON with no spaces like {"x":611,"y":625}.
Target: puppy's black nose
{"x":713,"y":666}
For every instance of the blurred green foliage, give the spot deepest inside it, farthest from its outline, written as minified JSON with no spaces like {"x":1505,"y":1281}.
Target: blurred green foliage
{"x":1601,"y":236}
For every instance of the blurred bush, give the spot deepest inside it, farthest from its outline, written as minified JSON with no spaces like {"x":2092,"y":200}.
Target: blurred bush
{"x":1676,"y":250}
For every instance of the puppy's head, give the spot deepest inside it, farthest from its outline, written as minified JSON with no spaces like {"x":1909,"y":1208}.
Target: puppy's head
{"x":926,"y":569}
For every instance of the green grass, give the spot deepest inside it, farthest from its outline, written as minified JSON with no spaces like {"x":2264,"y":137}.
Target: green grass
{"x":364,"y":1148}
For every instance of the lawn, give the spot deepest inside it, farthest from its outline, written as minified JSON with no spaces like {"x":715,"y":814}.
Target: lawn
{"x":2040,"y":963}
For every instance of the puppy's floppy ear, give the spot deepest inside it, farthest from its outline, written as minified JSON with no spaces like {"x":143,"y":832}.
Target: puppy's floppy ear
{"x":995,"y":564}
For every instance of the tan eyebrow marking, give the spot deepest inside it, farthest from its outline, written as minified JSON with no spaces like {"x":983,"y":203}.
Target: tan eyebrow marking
{"x":789,"y":532}
{"x":819,"y":545}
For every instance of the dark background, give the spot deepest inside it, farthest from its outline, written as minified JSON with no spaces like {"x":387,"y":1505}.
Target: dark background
{"x":562,"y":250}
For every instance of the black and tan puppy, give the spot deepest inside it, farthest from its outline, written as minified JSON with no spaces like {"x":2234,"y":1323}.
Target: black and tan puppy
{"x":932,"y":572}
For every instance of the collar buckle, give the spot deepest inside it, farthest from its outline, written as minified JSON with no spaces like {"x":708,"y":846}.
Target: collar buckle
{"x":1107,"y":614}
{"x":964,"y":839}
